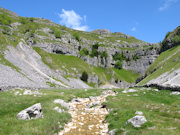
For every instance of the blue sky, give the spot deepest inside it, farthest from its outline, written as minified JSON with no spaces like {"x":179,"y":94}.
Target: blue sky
{"x":147,"y":20}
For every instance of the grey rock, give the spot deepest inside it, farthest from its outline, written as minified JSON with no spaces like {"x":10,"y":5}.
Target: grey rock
{"x":96,"y":103}
{"x":129,"y":90}
{"x":175,"y":93}
{"x":101,"y":31}
{"x":137,"y":121}
{"x":139,"y":113}
{"x":75,"y":100}
{"x":112,"y":132}
{"x":59,"y":110}
{"x":62,"y":103}
{"x":33,"y":112}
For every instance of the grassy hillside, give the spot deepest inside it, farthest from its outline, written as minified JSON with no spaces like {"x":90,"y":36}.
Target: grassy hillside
{"x":167,"y":61}
{"x":74,"y":65}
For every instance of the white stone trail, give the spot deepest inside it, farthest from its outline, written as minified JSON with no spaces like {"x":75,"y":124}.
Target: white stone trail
{"x":88,"y":116}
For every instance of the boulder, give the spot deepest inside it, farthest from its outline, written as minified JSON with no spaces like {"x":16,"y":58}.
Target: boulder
{"x":137,"y":121}
{"x":33,"y":112}
{"x":62,"y":103}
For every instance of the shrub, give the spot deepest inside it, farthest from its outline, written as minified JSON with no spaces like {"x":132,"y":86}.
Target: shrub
{"x":167,"y":34}
{"x":32,"y":32}
{"x":136,"y":56}
{"x":94,"y":51}
{"x":58,"y":34}
{"x":118,"y":65}
{"x":79,"y":48}
{"x":84,"y":52}
{"x":6,"y":30}
{"x":119,"y":56}
{"x":31,"y":19}
{"x":104,"y":54}
{"x":176,"y":39}
{"x":84,"y":76}
{"x":23,"y":20}
{"x":76,"y":36}
{"x":52,"y":30}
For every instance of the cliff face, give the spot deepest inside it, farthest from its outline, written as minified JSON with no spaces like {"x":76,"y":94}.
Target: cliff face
{"x":146,"y":53}
{"x":172,"y":39}
{"x":114,"y":58}
{"x":164,"y":72}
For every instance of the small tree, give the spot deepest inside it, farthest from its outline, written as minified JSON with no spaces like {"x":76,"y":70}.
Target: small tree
{"x":84,"y":76}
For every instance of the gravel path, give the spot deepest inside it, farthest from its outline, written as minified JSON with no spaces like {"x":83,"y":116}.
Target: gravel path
{"x":88,"y":116}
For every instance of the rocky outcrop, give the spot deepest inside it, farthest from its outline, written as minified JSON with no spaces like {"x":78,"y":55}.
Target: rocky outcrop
{"x":33,"y":112}
{"x":168,"y":79}
{"x":102,"y":31}
{"x":62,"y":103}
{"x":172,"y":39}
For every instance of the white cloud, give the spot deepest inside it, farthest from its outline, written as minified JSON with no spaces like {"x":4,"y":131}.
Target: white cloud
{"x":166,"y":4}
{"x":73,"y":20}
{"x":133,"y":29}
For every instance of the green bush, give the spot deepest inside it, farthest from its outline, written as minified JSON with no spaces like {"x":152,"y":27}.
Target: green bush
{"x":119,"y":56}
{"x":118,"y":65}
{"x":6,"y":30}
{"x":76,"y":36}
{"x":23,"y":20}
{"x":84,"y":76}
{"x":136,"y":56}
{"x":84,"y":52}
{"x":167,"y":34}
{"x":58,"y":34}
{"x":32,"y":32}
{"x":94,"y":52}
{"x":104,"y":54}
{"x":176,"y":39}
{"x":52,"y":30}
{"x":31,"y":19}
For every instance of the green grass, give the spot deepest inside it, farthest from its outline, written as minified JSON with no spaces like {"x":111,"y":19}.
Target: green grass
{"x":162,"y":64}
{"x":126,"y":75}
{"x":154,"y":105}
{"x":11,"y":105}
{"x":67,"y":63}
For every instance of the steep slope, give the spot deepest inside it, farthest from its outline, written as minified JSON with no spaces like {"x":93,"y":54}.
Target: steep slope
{"x":165,"y":71}
{"x":106,"y":58}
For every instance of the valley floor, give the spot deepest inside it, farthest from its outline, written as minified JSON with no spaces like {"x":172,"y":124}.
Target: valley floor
{"x":161,"y":109}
